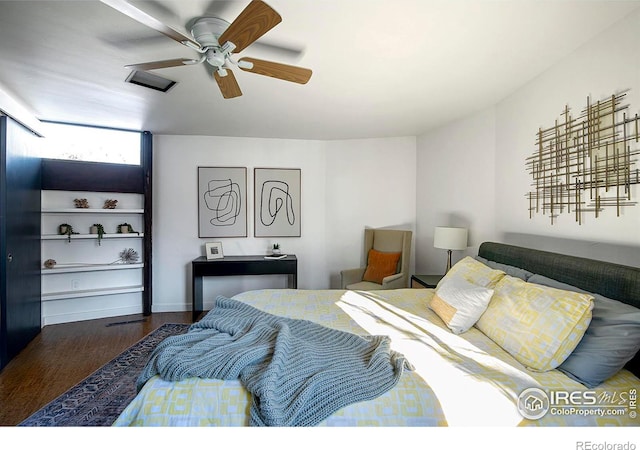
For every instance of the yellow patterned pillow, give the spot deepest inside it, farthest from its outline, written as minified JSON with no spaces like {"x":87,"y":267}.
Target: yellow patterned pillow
{"x":474,"y":272}
{"x":538,"y":325}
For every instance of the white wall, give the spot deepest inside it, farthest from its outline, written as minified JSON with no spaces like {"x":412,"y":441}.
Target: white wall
{"x":472,"y":172}
{"x":608,"y":64}
{"x":335,"y":177}
{"x":370,"y":184}
{"x":455,"y":187}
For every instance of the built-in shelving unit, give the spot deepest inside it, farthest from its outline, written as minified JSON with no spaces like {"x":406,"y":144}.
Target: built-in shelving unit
{"x":87,"y":266}
{"x":89,"y":278}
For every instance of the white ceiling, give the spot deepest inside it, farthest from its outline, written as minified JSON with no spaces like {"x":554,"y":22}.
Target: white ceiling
{"x":380,"y":67}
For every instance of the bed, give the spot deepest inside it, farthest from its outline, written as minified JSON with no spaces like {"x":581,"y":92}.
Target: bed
{"x":479,"y":373}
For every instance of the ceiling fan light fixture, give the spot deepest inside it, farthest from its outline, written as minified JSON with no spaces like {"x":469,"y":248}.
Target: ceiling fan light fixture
{"x":207,"y":30}
{"x":215,"y":58}
{"x":150,"y":80}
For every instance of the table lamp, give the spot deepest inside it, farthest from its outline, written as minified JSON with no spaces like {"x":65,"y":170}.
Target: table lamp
{"x":450,"y":238}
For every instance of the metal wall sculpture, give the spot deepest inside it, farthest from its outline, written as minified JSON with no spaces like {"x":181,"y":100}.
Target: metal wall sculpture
{"x":587,"y":163}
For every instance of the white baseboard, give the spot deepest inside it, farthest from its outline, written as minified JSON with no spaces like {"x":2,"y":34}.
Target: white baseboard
{"x":54,"y":319}
{"x":170,"y":307}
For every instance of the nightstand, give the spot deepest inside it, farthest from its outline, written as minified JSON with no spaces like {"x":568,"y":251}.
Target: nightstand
{"x":425,"y":281}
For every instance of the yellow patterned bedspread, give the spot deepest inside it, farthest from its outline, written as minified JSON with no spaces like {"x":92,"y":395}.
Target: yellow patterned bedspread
{"x":458,"y":380}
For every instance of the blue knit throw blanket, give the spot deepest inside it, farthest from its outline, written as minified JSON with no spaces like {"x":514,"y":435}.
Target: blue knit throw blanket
{"x":298,"y":372}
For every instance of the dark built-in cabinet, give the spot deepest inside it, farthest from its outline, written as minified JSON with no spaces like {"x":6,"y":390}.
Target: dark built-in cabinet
{"x":23,"y":176}
{"x":20,"y":183}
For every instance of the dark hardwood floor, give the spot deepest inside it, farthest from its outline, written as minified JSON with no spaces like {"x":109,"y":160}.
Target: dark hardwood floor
{"x":63,"y":355}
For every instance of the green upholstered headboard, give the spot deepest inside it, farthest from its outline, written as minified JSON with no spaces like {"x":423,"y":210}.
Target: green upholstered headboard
{"x":611,"y":280}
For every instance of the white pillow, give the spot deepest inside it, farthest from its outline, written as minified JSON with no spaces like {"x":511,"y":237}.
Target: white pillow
{"x":460,"y":303}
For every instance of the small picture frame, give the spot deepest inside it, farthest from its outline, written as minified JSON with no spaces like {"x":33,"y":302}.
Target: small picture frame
{"x":214,"y":250}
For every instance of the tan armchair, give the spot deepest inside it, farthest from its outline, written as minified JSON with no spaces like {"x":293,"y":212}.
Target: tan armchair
{"x":385,"y":241}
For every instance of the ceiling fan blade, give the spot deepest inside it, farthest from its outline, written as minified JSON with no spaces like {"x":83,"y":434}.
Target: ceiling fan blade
{"x":277,"y":70}
{"x":254,"y":21}
{"x":228,"y":84}
{"x":162,"y":64}
{"x":136,"y":14}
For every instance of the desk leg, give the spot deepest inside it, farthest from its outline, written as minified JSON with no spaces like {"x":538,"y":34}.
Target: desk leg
{"x":197,"y":304}
{"x":292,"y":282}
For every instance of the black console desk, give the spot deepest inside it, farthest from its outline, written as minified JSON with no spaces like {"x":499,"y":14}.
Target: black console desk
{"x":239,"y":265}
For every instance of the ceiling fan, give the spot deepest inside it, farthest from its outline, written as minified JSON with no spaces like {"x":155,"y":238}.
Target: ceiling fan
{"x":216,"y":41}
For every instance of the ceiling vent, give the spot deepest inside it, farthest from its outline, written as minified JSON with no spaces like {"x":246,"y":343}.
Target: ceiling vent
{"x":150,"y":80}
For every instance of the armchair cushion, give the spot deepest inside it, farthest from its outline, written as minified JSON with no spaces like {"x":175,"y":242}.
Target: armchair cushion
{"x":380,"y":265}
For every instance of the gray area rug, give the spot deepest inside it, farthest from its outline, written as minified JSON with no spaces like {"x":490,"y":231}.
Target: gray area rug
{"x":99,"y":399}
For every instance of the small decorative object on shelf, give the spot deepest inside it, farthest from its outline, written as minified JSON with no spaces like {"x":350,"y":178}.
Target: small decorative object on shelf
{"x":125,"y":228}
{"x":110,"y":204}
{"x":214,"y":250}
{"x":81,"y":202}
{"x":275,"y":253}
{"x":67,"y":229}
{"x":98,"y":229}
{"x":50,"y":263}
{"x":129,"y":256}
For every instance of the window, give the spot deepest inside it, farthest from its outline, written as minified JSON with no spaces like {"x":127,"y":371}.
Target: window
{"x":87,"y":143}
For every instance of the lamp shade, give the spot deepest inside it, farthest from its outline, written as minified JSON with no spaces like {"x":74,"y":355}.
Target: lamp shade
{"x":450,"y":238}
